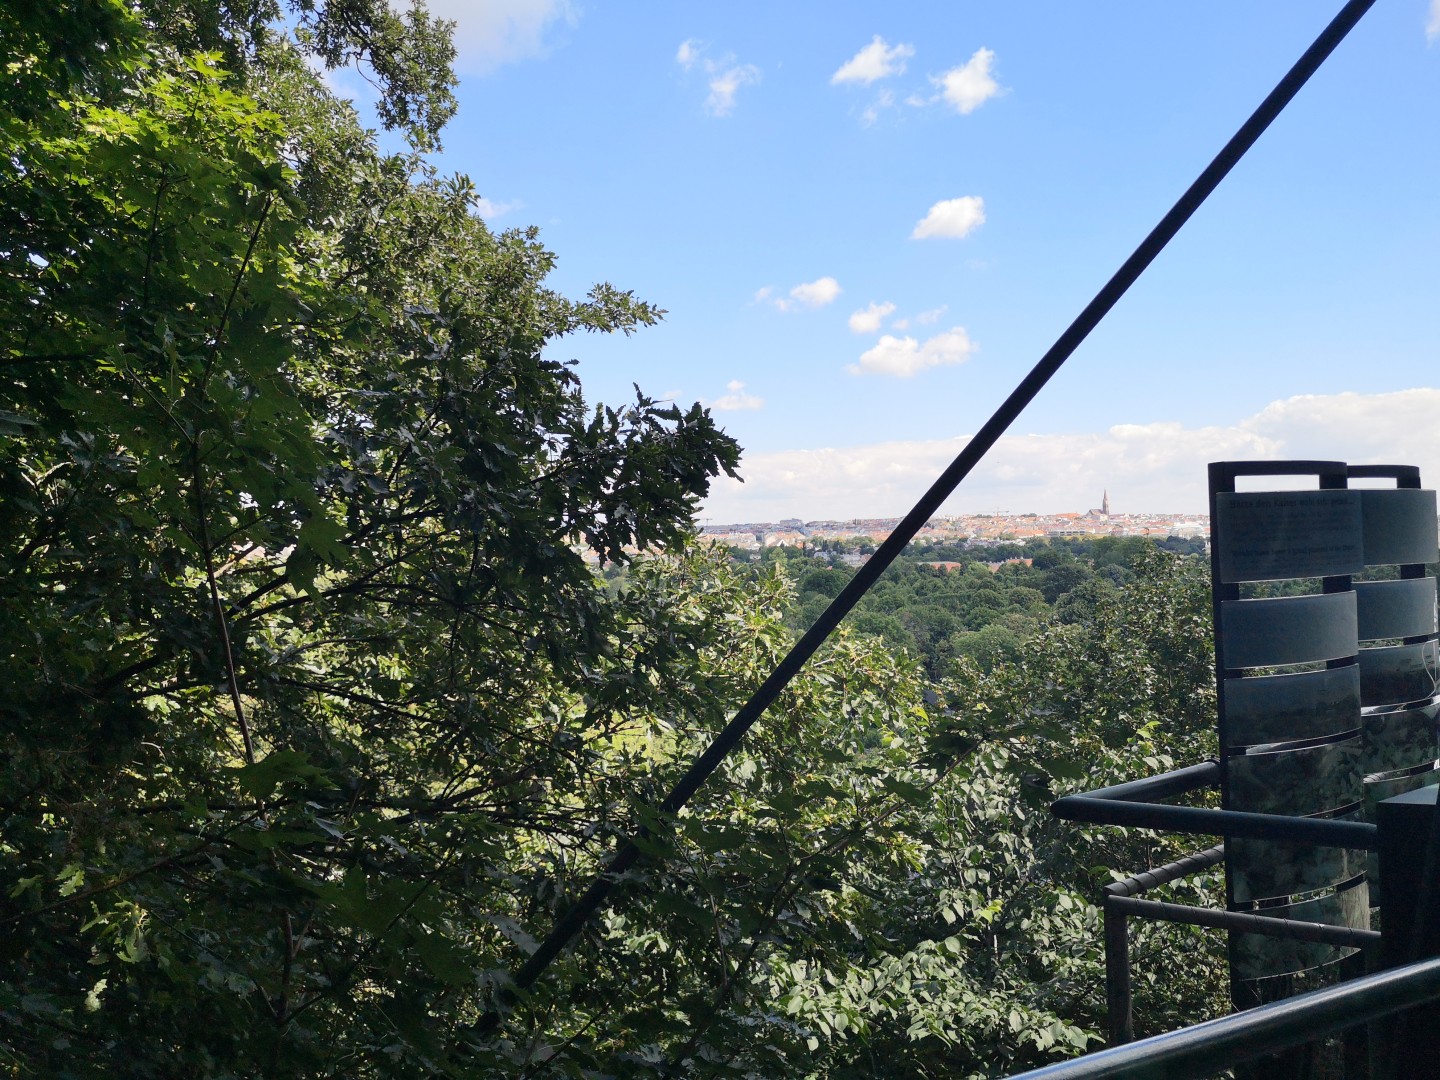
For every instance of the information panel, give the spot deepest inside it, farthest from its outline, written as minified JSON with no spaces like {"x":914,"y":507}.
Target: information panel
{"x":1271,"y":535}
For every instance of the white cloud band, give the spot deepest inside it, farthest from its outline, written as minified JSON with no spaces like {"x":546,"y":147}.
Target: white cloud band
{"x":1157,"y":467}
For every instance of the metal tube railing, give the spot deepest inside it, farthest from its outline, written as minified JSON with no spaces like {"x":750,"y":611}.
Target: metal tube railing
{"x":1122,"y":900}
{"x":1127,"y":804}
{"x":1202,"y":1050}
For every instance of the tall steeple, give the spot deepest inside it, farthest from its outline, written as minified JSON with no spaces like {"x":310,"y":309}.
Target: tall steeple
{"x":1105,"y":503}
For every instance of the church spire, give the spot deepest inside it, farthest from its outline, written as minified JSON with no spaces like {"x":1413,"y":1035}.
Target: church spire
{"x":1105,"y":503}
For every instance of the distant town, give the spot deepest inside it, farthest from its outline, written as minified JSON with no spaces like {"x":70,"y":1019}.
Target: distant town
{"x":997,"y":528}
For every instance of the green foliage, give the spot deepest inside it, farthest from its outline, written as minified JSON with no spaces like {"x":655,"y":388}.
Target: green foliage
{"x":957,"y":935}
{"x":316,"y":718}
{"x":407,"y":55}
{"x":983,"y":609}
{"x":303,"y":665}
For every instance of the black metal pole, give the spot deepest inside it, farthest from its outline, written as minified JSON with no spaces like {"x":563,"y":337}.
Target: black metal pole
{"x":594,"y":897}
{"x":1119,"y":999}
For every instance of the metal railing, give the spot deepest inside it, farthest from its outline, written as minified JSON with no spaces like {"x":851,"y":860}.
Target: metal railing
{"x":1203,"y":1050}
{"x":1132,"y":804}
{"x":1122,"y":899}
{"x":1406,"y":839}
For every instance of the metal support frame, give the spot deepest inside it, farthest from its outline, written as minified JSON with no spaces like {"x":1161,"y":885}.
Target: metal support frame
{"x":1122,"y":899}
{"x":1406,"y":838}
{"x":1132,"y":804}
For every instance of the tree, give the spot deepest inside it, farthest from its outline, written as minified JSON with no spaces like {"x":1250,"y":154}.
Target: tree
{"x":298,"y":642}
{"x":901,"y":898}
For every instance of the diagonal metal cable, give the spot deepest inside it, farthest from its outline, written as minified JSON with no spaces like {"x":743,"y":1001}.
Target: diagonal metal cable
{"x":599,"y":890}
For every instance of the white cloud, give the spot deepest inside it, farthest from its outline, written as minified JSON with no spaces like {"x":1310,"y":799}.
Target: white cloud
{"x":490,"y":209}
{"x":1360,"y":428}
{"x":726,"y":84}
{"x":1155,"y":467}
{"x":875,"y":61}
{"x":725,"y":76}
{"x":900,"y":324}
{"x":1432,"y":24}
{"x":736,"y":399}
{"x":810,"y":294}
{"x":868,"y":320}
{"x":970,"y":85}
{"x":762,"y":294}
{"x":883,"y":100}
{"x":499,"y":32}
{"x":904,"y":357}
{"x":952,"y":217}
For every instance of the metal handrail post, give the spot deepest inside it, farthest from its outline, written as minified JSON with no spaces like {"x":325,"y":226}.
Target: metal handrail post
{"x":1119,"y":997}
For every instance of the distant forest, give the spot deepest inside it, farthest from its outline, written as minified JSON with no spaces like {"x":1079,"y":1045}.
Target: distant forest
{"x":942,"y":601}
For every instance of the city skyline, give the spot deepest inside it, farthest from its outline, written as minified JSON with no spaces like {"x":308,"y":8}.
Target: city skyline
{"x":992,"y":525}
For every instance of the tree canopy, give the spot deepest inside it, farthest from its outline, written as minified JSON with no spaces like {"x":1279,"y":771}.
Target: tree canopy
{"x":296,"y":633}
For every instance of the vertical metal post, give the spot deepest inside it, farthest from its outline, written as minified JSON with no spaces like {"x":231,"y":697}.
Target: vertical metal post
{"x":1119,"y":1006}
{"x":1410,"y":921}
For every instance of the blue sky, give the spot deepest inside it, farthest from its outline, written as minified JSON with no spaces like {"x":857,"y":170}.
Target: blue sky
{"x":866,"y":223}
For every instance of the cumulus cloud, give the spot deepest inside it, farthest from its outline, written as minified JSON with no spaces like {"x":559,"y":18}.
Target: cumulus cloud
{"x":904,"y":357}
{"x":724,"y":77}
{"x":725,"y":84}
{"x":868,"y":320}
{"x":952,"y":217}
{"x":810,"y":294}
{"x":1359,"y":428}
{"x":499,"y":32}
{"x":875,"y":61}
{"x":489,"y":209}
{"x":1432,"y":24}
{"x":970,"y":85}
{"x":1151,"y":467}
{"x":736,"y":399}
